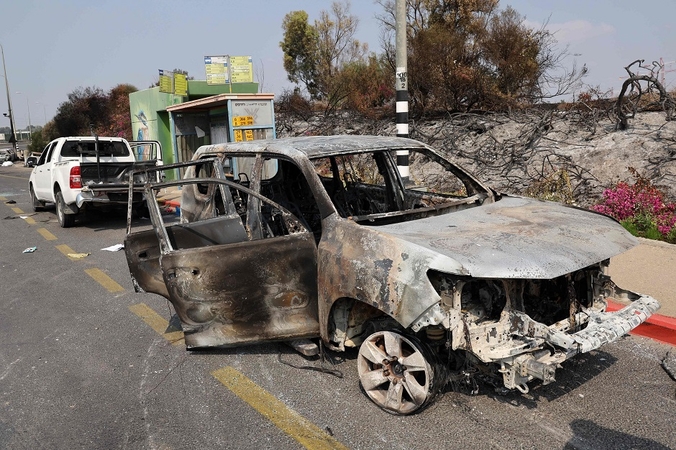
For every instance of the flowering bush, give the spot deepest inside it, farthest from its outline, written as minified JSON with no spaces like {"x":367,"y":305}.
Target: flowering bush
{"x":641,"y":208}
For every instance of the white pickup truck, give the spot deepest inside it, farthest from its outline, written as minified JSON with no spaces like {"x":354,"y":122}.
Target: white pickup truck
{"x":77,"y":173}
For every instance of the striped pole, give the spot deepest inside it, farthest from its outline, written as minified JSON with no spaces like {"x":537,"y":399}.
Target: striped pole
{"x":401,"y":86}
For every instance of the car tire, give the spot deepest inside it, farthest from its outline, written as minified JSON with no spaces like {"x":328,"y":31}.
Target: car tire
{"x":38,"y":205}
{"x":65,"y":220}
{"x":398,"y":372}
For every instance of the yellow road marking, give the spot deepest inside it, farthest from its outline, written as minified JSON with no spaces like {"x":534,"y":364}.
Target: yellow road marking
{"x":104,"y":280}
{"x":302,"y":430}
{"x":157,"y":323}
{"x":17,"y":210}
{"x":63,"y":248}
{"x":46,"y":234}
{"x":3,"y":199}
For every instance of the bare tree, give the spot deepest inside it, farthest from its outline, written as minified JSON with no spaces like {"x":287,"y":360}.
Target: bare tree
{"x":260,"y":75}
{"x":468,"y":54}
{"x":638,"y":92}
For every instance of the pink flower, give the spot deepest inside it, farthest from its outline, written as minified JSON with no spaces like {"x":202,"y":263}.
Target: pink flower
{"x":626,"y":201}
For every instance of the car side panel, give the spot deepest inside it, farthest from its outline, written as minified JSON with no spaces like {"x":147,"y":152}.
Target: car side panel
{"x":251,"y":291}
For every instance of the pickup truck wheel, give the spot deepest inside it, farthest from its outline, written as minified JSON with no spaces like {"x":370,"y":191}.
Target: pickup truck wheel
{"x":65,"y":220}
{"x":398,"y":372}
{"x":38,"y":205}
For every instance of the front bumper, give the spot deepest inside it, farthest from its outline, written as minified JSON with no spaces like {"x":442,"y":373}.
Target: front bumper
{"x":551,"y":345}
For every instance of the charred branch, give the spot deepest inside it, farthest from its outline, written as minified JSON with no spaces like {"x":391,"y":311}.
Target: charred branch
{"x":638,"y":87}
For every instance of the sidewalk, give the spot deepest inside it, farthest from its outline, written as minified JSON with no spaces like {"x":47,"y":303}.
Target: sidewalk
{"x":649,"y":268}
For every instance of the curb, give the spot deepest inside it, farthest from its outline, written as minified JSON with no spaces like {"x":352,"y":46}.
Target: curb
{"x":658,"y":327}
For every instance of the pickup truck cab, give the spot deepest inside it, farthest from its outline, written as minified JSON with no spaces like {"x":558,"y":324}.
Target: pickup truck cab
{"x":76,"y":173}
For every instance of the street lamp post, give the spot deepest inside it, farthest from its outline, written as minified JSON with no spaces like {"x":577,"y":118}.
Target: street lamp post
{"x":28,"y":106}
{"x":30,"y":135}
{"x":9,"y":104}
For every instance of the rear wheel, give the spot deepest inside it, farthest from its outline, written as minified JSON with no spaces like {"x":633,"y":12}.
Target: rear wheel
{"x":398,"y":372}
{"x":38,"y":205}
{"x":65,"y":220}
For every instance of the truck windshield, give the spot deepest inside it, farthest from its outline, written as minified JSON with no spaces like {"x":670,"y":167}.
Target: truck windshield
{"x":88,"y":148}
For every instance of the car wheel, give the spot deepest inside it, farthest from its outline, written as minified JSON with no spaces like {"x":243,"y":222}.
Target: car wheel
{"x":38,"y":205}
{"x":65,"y":220}
{"x":398,"y":372}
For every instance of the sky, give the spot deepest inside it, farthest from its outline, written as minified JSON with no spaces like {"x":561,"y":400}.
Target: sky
{"x":52,"y":48}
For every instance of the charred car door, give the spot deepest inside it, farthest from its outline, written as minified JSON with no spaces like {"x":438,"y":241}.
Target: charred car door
{"x":244,"y":272}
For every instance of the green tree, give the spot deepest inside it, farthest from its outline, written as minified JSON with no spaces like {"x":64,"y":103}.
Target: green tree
{"x":316,"y":55}
{"x":336,"y":48}
{"x":300,"y":47}
{"x":38,"y":141}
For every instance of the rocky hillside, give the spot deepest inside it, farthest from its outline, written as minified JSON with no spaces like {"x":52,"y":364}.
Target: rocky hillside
{"x":565,"y":156}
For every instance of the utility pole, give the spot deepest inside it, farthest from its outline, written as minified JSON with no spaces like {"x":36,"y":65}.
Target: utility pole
{"x":9,"y":114}
{"x":401,"y":85}
{"x":30,"y":131}
{"x":30,"y":127}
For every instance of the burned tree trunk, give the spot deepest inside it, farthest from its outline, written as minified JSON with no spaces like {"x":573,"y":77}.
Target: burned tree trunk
{"x":633,"y":84}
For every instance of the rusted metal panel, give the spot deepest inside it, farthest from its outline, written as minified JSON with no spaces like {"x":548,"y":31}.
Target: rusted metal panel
{"x":253,"y":291}
{"x":383,"y":271}
{"x":143,"y":258}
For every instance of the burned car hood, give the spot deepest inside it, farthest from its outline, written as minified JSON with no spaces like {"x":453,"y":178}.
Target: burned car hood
{"x":518,"y":237}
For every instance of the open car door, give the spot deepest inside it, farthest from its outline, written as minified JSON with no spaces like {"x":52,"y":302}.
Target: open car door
{"x":245,"y":271}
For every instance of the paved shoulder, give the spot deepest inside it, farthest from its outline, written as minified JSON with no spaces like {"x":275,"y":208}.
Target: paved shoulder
{"x":649,"y":268}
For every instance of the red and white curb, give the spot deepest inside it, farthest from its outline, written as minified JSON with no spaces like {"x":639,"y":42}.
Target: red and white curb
{"x":658,"y":327}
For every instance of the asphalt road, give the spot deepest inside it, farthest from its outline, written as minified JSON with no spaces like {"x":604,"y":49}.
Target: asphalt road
{"x":81,"y":366}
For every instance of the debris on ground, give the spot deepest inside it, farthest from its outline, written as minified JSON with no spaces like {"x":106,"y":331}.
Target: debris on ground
{"x":10,"y":217}
{"x":30,"y":250}
{"x":78,"y":255}
{"x":7,"y":164}
{"x":10,"y":202}
{"x":114,"y":248}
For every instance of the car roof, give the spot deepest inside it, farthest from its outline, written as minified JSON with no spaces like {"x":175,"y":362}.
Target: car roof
{"x":314,"y":146}
{"x":89,"y":138}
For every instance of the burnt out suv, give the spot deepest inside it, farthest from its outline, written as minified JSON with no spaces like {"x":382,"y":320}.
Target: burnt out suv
{"x":432,"y":277}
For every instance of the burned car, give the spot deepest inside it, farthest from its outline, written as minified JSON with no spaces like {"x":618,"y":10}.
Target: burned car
{"x":431,"y":276}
